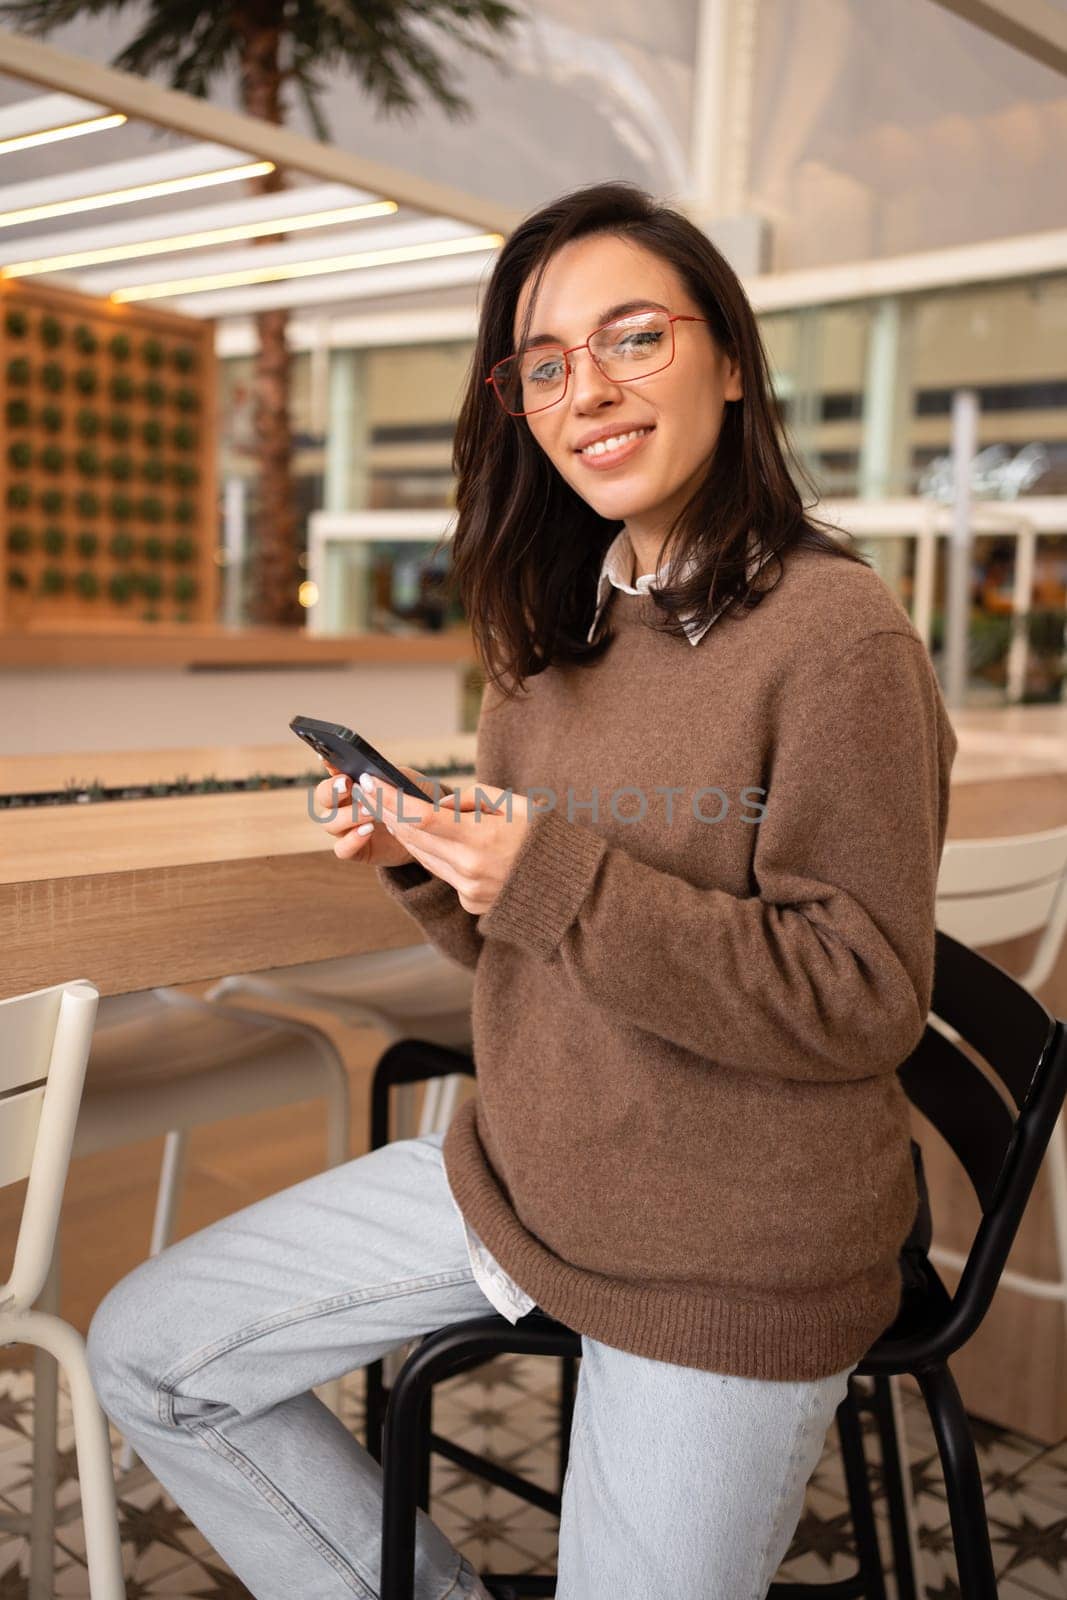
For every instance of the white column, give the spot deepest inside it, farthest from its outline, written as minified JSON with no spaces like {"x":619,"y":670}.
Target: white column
{"x":345,"y":488}
{"x":319,"y":378}
{"x":886,"y":411}
{"x":708,"y":123}
{"x":879,"y":400}
{"x":721,"y":131}
{"x":346,"y":432}
{"x":961,"y":544}
{"x":1022,"y":601}
{"x":807,"y":380}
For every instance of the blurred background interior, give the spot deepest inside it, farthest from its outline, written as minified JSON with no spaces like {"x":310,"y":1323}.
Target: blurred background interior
{"x":886,"y":180}
{"x":238,"y":299}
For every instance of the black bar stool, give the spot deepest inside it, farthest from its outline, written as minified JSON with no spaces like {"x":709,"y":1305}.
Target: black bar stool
{"x":996,"y":1118}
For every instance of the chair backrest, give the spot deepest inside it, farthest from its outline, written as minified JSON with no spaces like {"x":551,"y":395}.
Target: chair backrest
{"x":409,"y":1061}
{"x":998,"y":1117}
{"x":45,"y":1039}
{"x":992,"y":890}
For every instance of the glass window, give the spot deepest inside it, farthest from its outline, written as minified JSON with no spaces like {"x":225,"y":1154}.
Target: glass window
{"x":413,"y":394}
{"x":819,"y":358}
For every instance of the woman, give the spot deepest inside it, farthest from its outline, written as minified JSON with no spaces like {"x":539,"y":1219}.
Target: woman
{"x":696,"y":883}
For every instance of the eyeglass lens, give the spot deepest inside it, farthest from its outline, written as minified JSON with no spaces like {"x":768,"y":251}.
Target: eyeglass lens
{"x":631,"y":347}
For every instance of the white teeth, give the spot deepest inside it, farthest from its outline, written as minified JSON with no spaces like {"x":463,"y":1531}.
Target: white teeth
{"x":603,"y":446}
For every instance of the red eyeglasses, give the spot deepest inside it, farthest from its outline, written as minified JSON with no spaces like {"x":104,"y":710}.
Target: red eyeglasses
{"x":624,"y":349}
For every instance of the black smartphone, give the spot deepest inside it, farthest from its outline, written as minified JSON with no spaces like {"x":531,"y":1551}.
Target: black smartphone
{"x":352,"y":755}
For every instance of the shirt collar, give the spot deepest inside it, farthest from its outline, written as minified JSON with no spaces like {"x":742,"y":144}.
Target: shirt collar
{"x":618,"y":560}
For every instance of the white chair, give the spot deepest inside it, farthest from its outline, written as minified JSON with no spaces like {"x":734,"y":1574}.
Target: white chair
{"x":990,"y":891}
{"x":45,"y":1039}
{"x":163,"y":1062}
{"x":166,"y":1062}
{"x":412,"y":991}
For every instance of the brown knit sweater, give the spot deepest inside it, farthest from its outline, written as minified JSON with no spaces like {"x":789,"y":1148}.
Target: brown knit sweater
{"x":689,"y":1139}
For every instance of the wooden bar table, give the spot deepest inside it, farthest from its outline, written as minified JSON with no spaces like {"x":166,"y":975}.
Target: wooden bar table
{"x":135,"y":893}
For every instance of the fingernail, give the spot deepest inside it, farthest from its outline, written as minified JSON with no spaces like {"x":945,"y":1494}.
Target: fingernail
{"x":340,"y":785}
{"x":366,"y":783}
{"x":366,"y":827}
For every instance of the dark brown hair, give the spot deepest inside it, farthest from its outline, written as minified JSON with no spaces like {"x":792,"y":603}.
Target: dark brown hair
{"x":527,"y":549}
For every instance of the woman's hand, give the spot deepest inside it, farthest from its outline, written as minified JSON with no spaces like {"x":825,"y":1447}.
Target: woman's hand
{"x":470,"y":839}
{"x":377,"y":847}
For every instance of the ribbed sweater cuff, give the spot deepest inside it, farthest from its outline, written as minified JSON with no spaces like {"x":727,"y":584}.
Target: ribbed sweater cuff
{"x":544,"y":889}
{"x":418,"y":891}
{"x":405,"y":876}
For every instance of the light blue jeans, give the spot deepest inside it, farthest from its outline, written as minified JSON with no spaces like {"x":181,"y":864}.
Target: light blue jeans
{"x":681,"y":1484}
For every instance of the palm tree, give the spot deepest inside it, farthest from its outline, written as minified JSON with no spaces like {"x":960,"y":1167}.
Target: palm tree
{"x":275,"y":43}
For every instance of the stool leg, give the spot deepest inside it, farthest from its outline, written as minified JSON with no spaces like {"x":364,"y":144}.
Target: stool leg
{"x":1056,"y":1166}
{"x":425,"y":1429}
{"x":402,"y":1470}
{"x":404,"y":1095}
{"x":381,"y":1375}
{"x":430,"y":1119}
{"x":375,"y":1410}
{"x":45,"y":1445}
{"x":385,"y":1099}
{"x":96,"y":1477}
{"x":566,"y":1413}
{"x":896,"y":1474}
{"x":859,"y":1496}
{"x":393,"y":1360}
{"x":169,"y":1192}
{"x":336,"y":1094}
{"x":963,"y":1483}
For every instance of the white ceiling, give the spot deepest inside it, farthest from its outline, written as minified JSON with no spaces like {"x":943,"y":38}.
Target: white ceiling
{"x":877,"y":131}
{"x":136,"y":231}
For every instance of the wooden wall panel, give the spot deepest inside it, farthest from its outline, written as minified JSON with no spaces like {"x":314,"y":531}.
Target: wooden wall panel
{"x":108,"y":433}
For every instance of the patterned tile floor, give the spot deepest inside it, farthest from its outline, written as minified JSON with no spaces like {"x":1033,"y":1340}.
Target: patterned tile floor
{"x":507,"y":1410}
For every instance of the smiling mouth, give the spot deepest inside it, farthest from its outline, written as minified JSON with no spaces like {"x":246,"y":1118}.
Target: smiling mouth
{"x":607,"y":451}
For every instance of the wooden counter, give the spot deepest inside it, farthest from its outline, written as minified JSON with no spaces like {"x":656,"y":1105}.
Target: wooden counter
{"x":131,"y":768}
{"x":201,"y":646}
{"x":135,"y":893}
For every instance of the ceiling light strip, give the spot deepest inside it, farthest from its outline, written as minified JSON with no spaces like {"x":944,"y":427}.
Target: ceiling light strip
{"x":69,"y":130}
{"x":140,"y":191}
{"x":383,"y":233}
{"x":224,"y":209}
{"x":137,"y":249}
{"x":305,"y":269}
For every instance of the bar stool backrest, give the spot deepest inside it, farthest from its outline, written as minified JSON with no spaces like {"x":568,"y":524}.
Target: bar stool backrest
{"x":992,"y":890}
{"x":996,"y":1114}
{"x":45,"y":1038}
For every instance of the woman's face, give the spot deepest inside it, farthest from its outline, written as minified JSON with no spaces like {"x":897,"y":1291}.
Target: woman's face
{"x":682,"y":404}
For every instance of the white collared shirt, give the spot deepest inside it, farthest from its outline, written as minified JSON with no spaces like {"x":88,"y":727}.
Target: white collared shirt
{"x":499,"y":1288}
{"x":618,"y":561}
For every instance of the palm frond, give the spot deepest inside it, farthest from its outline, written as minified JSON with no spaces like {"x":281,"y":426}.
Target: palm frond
{"x":309,"y":89}
{"x":382,"y":42}
{"x":192,"y":40}
{"x":36,"y":17}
